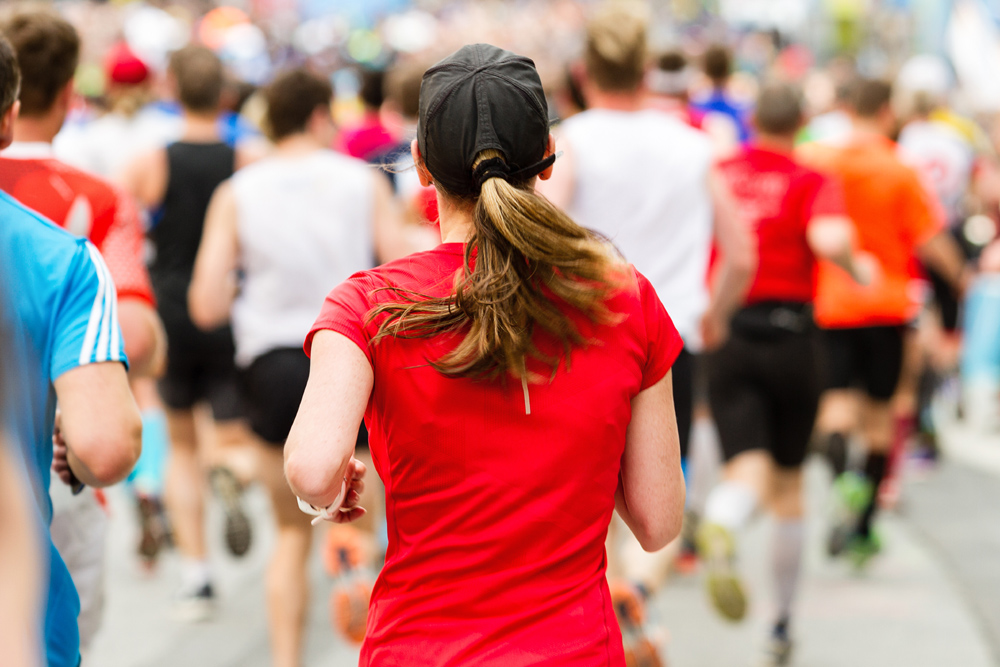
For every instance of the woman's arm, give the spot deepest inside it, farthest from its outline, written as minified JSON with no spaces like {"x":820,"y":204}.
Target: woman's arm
{"x":320,"y":445}
{"x":650,"y":495}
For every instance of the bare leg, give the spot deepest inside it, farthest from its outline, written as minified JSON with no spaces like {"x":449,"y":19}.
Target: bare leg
{"x":185,"y":488}
{"x":287,"y":574}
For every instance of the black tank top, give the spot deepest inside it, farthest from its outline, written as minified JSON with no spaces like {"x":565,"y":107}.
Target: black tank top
{"x":194,"y":171}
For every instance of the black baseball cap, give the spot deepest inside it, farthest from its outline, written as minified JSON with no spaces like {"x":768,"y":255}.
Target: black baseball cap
{"x":482,"y":97}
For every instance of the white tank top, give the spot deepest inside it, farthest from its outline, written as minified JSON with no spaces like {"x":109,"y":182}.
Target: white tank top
{"x":305,"y":224}
{"x":642,"y":181}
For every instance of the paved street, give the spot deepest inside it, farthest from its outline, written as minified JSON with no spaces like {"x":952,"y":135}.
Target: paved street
{"x":931,"y":600}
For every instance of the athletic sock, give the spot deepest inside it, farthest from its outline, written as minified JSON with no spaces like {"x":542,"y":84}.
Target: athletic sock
{"x":150,"y":470}
{"x":786,"y":559}
{"x":875,"y":468}
{"x":195,"y":573}
{"x":730,"y":504}
{"x":835,"y":451}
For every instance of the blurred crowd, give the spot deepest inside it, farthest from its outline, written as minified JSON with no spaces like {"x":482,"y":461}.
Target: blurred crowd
{"x":705,"y":69}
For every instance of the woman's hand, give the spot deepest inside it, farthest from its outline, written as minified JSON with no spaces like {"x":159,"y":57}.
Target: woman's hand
{"x":350,"y":510}
{"x":346,"y":509}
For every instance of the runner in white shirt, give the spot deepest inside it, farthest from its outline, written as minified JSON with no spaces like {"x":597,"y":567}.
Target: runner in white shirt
{"x":294,"y":224}
{"x":645,"y":180}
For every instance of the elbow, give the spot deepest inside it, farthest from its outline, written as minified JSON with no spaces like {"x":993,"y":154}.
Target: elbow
{"x":652,"y":538}
{"x":654,"y":533}
{"x":145,"y":343}
{"x":203,"y":314}
{"x":117,"y":451}
{"x":745,"y":264}
{"x":312,"y":480}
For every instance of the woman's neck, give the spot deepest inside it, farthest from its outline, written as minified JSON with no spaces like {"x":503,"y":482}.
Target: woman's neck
{"x":455,"y":219}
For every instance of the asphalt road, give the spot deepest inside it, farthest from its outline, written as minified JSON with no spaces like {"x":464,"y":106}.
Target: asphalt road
{"x":932,"y":599}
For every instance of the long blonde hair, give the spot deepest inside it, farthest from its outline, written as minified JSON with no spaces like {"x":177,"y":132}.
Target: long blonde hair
{"x":531,"y":260}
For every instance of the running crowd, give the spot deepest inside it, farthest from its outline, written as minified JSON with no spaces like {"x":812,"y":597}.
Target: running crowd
{"x":478,"y":348}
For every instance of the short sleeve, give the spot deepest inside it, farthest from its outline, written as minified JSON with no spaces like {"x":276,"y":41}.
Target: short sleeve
{"x":345,"y":311}
{"x":827,"y":197}
{"x":123,"y":250}
{"x":663,"y":343}
{"x":86,"y":329}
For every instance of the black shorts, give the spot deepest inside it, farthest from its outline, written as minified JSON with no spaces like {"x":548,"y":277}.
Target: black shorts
{"x":944,"y":294}
{"x":273,"y":386}
{"x":764,"y":394}
{"x":200,"y":368}
{"x":866,"y":358}
{"x":683,"y":386}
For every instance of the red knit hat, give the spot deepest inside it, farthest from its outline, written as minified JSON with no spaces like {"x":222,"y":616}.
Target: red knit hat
{"x":121,"y":65}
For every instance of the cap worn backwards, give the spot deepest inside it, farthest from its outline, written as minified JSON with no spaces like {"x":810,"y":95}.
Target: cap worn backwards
{"x":482,"y":97}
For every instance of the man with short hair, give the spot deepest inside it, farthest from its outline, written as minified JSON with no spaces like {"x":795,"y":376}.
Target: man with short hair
{"x":60,"y":301}
{"x":48,"y":49}
{"x":864,"y":326}
{"x":764,"y":384}
{"x":645,"y":180}
{"x":175,"y":184}
{"x":338,"y":216}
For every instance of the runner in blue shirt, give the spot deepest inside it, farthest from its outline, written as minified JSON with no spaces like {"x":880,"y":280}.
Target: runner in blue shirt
{"x":60,"y":307}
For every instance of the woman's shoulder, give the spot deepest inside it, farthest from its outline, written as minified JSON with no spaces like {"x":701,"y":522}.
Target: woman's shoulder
{"x":428,"y":272}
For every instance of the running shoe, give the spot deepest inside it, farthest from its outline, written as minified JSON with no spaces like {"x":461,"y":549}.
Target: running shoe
{"x":630,"y":610}
{"x":717,"y":550}
{"x":230,"y":492}
{"x":349,"y":607}
{"x":195,"y":605}
{"x":851,"y":493}
{"x":152,"y":525}
{"x":687,"y":557}
{"x":862,"y":548}
{"x":778,"y":650}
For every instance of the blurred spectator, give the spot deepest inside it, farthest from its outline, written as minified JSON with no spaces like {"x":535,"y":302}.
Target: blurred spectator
{"x":725,"y":119}
{"x":668,"y":84}
{"x":369,"y":139}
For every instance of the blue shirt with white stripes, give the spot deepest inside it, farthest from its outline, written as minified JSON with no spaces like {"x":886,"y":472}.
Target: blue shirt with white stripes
{"x":62,"y":313}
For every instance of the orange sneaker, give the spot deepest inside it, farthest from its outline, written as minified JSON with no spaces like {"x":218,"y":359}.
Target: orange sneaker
{"x":630,"y":610}
{"x":349,"y":608}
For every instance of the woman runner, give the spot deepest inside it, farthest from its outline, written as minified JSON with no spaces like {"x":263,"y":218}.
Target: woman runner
{"x":516,"y":385}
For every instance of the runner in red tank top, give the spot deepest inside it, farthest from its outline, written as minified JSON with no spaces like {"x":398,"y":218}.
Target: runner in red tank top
{"x":509,"y":428}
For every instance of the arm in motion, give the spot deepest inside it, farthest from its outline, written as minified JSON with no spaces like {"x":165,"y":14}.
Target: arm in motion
{"x":213,"y":283}
{"x":650,"y":495}
{"x":320,"y":446}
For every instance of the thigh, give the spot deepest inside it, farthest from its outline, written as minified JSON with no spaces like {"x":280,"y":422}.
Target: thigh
{"x":683,"y":384}
{"x":274,"y":384}
{"x":220,"y":379}
{"x":883,"y":361}
{"x":738,"y":405}
{"x":839,"y":358}
{"x":178,"y":387}
{"x":794,"y":384}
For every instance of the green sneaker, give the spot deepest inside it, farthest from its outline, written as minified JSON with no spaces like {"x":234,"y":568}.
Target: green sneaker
{"x":861,"y":549}
{"x":851,"y":493}
{"x":717,"y":550}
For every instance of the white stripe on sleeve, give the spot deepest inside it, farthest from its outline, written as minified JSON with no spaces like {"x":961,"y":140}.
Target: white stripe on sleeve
{"x":101,"y":354}
{"x":96,"y":312}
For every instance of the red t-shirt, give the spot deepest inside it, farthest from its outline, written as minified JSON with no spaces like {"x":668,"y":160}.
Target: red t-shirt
{"x":497,"y":518}
{"x":85,"y":205}
{"x":778,"y":197}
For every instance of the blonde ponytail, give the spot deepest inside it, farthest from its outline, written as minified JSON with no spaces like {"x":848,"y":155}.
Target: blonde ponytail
{"x":531,"y":261}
